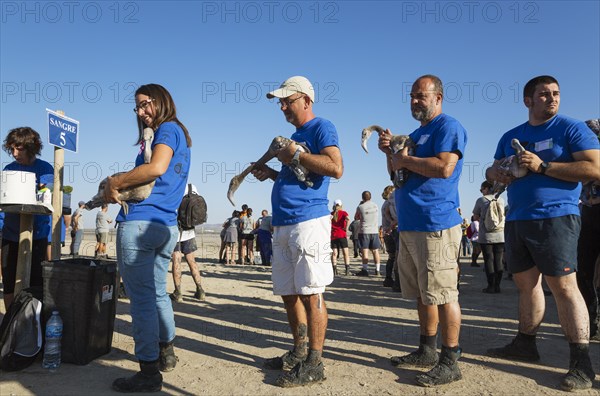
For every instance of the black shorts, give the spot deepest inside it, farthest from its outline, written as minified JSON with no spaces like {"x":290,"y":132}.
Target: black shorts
{"x":10,"y":254}
{"x":186,"y":247}
{"x":548,"y":244}
{"x":249,"y":237}
{"x":340,"y":243}
{"x":369,"y":241}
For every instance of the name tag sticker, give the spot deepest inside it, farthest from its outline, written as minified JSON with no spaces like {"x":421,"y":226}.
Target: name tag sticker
{"x":543,"y":145}
{"x":423,"y":139}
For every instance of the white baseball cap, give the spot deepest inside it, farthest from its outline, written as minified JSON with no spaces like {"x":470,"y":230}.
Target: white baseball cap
{"x":337,"y":202}
{"x":292,"y":85}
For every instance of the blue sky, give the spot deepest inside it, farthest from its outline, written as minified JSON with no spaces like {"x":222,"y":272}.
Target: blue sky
{"x":219,"y":59}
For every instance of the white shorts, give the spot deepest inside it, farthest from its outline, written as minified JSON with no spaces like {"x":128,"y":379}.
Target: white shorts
{"x":302,"y":258}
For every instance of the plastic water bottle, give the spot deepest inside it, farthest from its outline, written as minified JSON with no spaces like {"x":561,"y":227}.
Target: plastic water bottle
{"x":54,"y":329}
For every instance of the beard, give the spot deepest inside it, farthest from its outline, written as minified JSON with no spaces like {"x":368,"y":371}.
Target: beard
{"x":422,"y":113}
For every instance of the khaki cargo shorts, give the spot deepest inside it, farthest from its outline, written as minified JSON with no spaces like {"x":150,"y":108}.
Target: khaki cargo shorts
{"x":427,"y":265}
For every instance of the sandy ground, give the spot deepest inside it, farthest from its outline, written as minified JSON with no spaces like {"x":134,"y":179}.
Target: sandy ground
{"x":222,"y":342}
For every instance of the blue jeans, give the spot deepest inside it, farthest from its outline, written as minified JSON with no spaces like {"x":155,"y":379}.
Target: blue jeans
{"x":144,"y":250}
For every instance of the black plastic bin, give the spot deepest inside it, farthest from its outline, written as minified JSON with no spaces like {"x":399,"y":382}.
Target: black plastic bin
{"x":84,"y":291}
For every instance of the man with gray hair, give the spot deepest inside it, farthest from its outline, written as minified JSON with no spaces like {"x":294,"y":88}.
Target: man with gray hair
{"x":302,"y":223}
{"x":430,"y":232}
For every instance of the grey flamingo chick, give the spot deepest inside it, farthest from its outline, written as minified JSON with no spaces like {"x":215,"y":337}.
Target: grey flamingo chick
{"x":511,"y":165}
{"x":133,"y":193}
{"x":397,"y":144}
{"x":276,"y":145}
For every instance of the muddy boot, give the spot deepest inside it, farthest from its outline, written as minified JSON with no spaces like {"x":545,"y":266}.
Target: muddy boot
{"x":581,"y":374}
{"x":445,"y":371}
{"x":285,"y":362}
{"x":176,"y":295}
{"x":425,"y":356}
{"x":167,"y":359}
{"x":200,"y":295}
{"x":148,"y":379}
{"x":523,"y":347}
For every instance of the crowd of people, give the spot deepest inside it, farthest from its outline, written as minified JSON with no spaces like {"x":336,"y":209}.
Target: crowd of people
{"x":543,"y":234}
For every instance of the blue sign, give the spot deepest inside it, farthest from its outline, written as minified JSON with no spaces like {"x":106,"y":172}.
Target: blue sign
{"x":63,"y":131}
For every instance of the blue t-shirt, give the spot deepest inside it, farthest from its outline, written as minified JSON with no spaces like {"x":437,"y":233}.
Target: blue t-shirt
{"x":537,"y":196}
{"x":44,"y":172}
{"x":161,"y":206}
{"x":430,"y":203}
{"x":292,"y":201}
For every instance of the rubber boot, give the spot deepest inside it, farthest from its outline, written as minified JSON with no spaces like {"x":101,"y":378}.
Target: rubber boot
{"x":167,"y":359}
{"x":497,"y":281}
{"x":148,"y":379}
{"x":490,"y":282}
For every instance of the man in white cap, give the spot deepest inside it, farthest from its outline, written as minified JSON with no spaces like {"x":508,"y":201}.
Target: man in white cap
{"x":302,"y":227}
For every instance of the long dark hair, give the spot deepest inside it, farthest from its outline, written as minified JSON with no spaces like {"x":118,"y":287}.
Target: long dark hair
{"x":165,"y":110}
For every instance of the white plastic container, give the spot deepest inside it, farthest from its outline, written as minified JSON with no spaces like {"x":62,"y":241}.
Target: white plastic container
{"x":17,"y":187}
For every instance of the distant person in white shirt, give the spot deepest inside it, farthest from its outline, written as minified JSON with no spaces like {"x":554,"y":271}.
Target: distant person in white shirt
{"x":186,"y":246}
{"x":368,"y":235}
{"x":102,"y":222}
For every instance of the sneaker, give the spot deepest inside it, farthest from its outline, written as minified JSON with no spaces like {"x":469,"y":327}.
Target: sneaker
{"x":396,"y":289}
{"x":139,"y":382}
{"x":580,"y":376}
{"x":516,"y":350}
{"x":388,"y":282}
{"x":302,"y":374}
{"x":285,"y":362}
{"x":176,"y":296}
{"x":444,"y":372}
{"x":200,"y":295}
{"x":475,"y":265}
{"x":425,"y":356}
{"x":362,"y":272}
{"x":377,"y":273}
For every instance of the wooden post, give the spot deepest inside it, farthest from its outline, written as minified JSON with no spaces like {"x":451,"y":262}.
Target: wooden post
{"x":24,"y":258}
{"x":59,"y":162}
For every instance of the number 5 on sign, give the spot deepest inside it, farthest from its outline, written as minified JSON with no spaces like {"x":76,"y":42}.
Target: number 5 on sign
{"x":63,"y":131}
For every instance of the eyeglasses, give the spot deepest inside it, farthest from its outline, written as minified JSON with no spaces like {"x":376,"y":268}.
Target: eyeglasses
{"x":143,"y":105}
{"x":288,"y":103}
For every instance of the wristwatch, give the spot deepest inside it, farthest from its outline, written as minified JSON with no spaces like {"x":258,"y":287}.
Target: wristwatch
{"x":296,"y":157}
{"x":544,"y":167}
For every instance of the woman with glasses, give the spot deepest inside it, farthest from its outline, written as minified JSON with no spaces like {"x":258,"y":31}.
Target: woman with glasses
{"x":147,"y":235}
